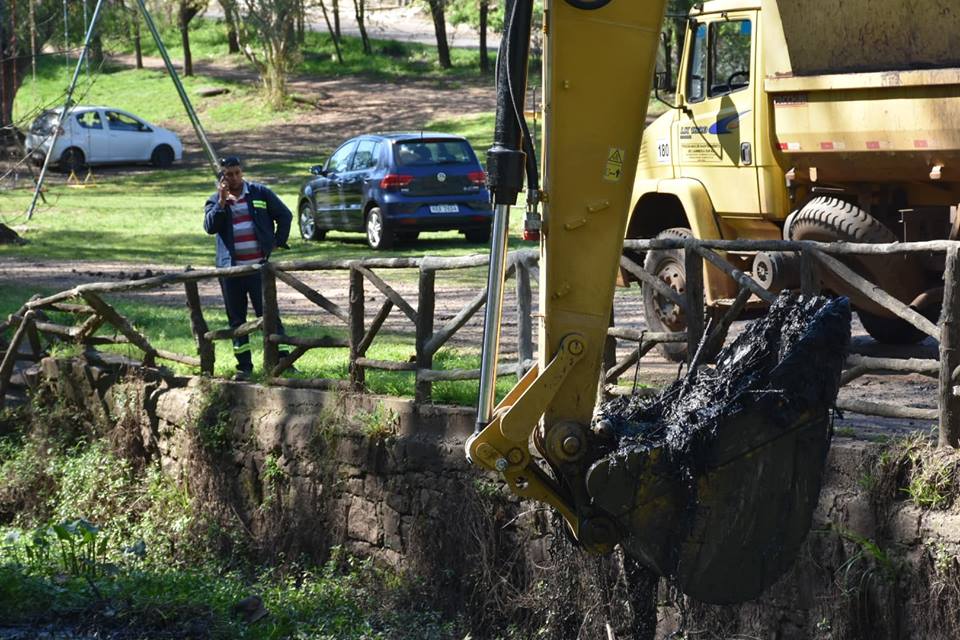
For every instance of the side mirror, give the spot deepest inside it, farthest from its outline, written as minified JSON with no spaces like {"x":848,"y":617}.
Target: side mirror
{"x":317,"y":170}
{"x":660,"y":81}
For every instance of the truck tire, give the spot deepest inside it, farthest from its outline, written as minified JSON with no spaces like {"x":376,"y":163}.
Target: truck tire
{"x":661,"y":314}
{"x":826,"y":219}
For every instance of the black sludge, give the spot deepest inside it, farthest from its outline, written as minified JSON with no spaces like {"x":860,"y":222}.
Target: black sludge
{"x":715,"y":481}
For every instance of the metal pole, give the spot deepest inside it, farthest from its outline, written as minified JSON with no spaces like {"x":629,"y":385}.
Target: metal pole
{"x":493,"y":315}
{"x":505,"y":165}
{"x":67,"y":104}
{"x":194,"y":120}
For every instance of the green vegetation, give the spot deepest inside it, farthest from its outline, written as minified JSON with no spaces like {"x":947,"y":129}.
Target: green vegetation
{"x":914,"y":468}
{"x":108,"y":545}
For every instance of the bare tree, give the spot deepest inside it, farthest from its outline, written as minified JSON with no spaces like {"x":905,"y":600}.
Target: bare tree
{"x":359,"y":9}
{"x":187,"y":10}
{"x":275,"y":25}
{"x":333,"y":34}
{"x":132,"y":15}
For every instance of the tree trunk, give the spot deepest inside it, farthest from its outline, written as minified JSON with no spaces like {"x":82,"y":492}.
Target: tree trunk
{"x":96,"y":49}
{"x":359,"y":9}
{"x":484,"y":54}
{"x":137,"y":45}
{"x":301,"y":22}
{"x":230,"y":19}
{"x":333,"y":35}
{"x":440,"y":28}
{"x":186,"y":14}
{"x":336,"y":20}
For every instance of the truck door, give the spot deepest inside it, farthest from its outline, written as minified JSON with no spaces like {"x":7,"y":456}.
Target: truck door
{"x":715,"y":133}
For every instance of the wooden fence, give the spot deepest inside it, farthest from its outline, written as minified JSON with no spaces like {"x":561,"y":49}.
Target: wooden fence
{"x":87,"y":304}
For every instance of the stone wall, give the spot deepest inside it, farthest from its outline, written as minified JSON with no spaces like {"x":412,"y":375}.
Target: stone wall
{"x":302,"y":471}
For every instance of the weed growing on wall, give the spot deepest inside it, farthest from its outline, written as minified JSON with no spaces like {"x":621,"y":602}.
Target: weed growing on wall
{"x":379,"y":424}
{"x":914,"y":468}
{"x":212,"y":421}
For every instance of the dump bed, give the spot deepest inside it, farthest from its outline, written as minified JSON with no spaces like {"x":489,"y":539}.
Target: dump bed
{"x":874,"y":78}
{"x":847,"y":36}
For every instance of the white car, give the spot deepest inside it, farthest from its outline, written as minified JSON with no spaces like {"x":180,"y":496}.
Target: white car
{"x":102,"y":135}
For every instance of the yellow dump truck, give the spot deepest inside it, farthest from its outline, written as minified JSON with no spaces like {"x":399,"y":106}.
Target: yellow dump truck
{"x":807,"y":119}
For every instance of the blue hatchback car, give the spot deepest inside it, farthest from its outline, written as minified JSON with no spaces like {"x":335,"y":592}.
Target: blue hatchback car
{"x":393,"y":186}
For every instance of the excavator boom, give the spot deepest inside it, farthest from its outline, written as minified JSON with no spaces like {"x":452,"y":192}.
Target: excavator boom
{"x":723,"y":470}
{"x":599,"y":59}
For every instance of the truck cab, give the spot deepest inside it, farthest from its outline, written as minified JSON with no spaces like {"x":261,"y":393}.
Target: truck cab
{"x":781,"y":114}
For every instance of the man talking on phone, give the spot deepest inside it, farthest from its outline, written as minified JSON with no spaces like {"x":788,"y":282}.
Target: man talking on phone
{"x":249,"y":221}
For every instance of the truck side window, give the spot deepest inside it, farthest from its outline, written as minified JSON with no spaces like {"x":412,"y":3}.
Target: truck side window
{"x":697,"y":72}
{"x":729,"y":56}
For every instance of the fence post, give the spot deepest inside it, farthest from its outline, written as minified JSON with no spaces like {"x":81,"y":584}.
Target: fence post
{"x":949,"y":357}
{"x":271,"y":315}
{"x":198,"y":325}
{"x":693,"y":263}
{"x":425,"y":305}
{"x":809,"y":283}
{"x":10,"y":357}
{"x":524,"y":317}
{"x":357,"y":377}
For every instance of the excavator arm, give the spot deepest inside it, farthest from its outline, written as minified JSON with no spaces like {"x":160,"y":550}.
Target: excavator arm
{"x":712,"y":483}
{"x":599,"y":61}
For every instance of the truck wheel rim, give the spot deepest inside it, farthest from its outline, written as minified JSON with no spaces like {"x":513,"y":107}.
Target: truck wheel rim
{"x":670,"y":314}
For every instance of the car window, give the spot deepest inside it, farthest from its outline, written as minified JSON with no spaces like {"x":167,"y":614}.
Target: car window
{"x":339,"y":161}
{"x":90,"y":120}
{"x":423,"y":152}
{"x":366,"y":155}
{"x":122,"y":122}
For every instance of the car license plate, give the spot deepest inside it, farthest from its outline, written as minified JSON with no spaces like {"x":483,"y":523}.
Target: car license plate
{"x":444,"y":208}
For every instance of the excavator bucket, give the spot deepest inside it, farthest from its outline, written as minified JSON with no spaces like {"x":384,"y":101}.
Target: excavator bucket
{"x":715,"y":481}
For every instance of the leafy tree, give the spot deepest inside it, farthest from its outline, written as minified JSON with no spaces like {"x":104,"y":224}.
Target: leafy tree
{"x":25,"y":27}
{"x":278,"y":50}
{"x":482,"y":15}
{"x":187,"y":10}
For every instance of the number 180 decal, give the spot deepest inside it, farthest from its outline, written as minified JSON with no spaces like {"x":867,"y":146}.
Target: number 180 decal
{"x":663,"y":151}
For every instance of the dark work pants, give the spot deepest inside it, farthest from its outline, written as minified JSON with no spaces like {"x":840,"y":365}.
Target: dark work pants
{"x":236,"y":291}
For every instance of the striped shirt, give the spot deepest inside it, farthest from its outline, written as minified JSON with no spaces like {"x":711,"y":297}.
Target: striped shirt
{"x":246,"y":249}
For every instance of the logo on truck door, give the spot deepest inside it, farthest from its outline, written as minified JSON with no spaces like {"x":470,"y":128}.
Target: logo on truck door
{"x":729,"y":124}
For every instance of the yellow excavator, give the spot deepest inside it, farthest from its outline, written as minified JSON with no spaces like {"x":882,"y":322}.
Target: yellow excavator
{"x":725,"y":526}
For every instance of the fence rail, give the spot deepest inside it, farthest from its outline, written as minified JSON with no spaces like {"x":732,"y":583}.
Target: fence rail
{"x":366,"y":277}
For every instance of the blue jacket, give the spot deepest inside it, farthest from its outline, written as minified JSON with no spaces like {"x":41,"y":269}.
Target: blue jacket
{"x":266,"y":209}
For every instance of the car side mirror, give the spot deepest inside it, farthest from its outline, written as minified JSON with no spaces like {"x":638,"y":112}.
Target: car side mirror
{"x":318,"y":170}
